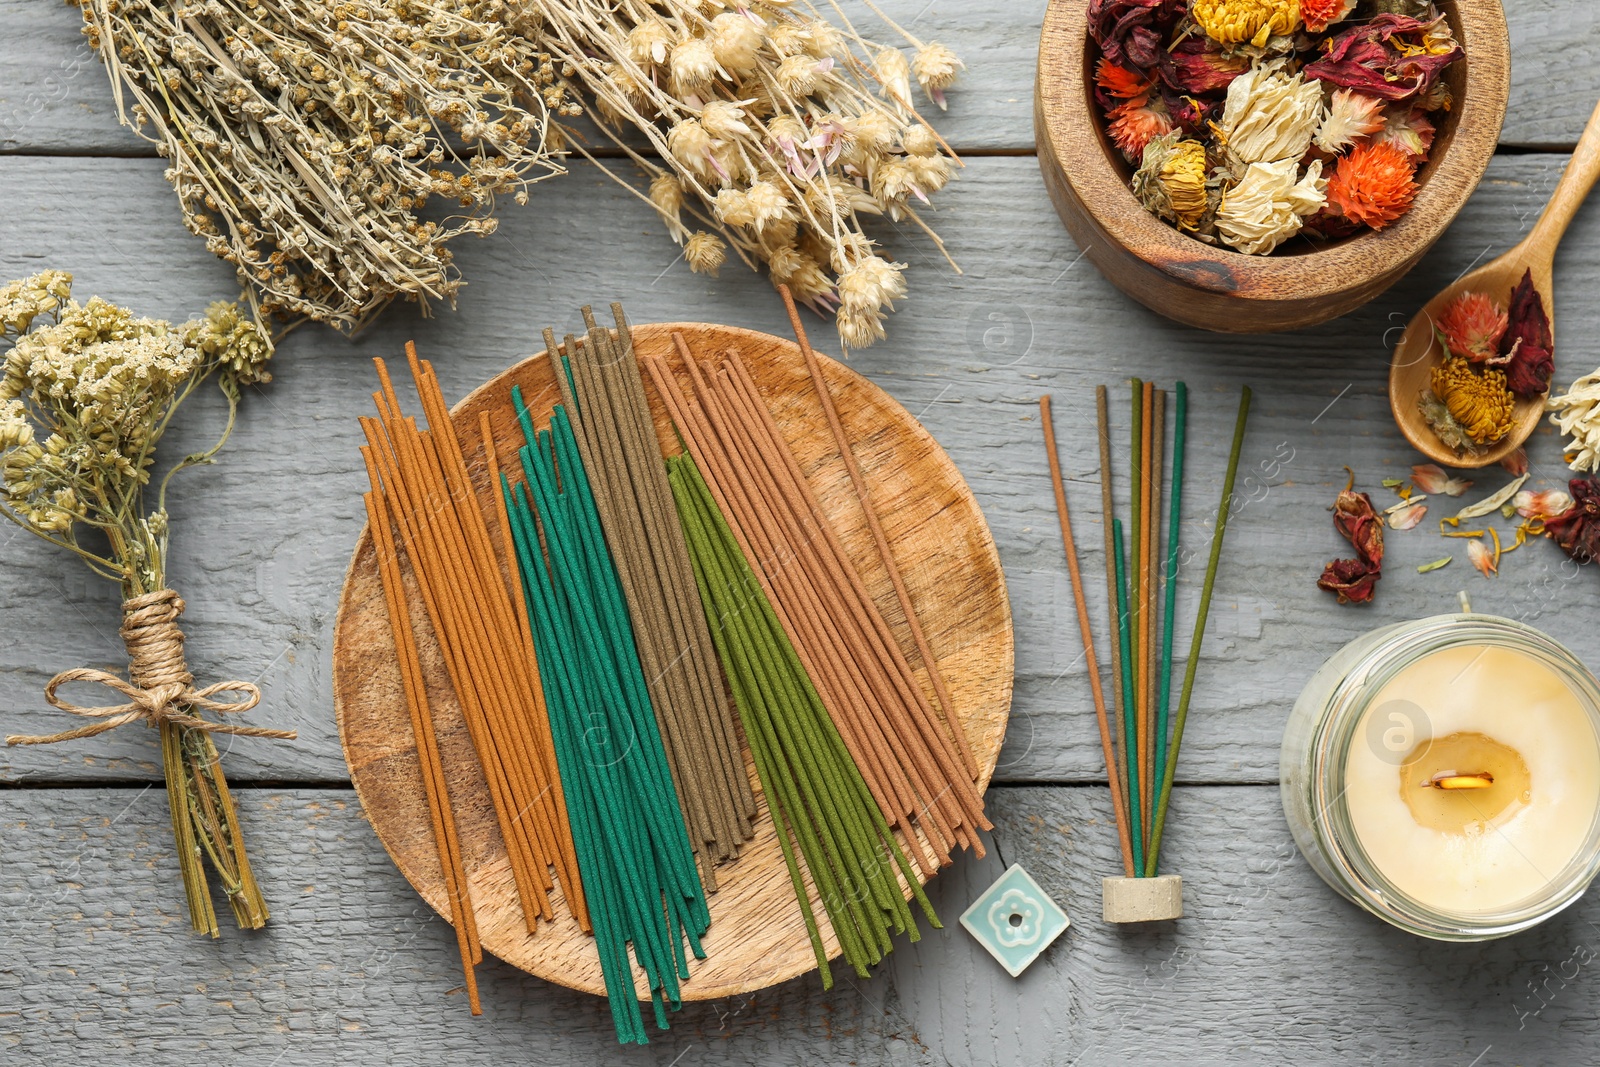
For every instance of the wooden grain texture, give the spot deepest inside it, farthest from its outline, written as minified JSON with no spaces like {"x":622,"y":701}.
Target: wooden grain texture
{"x":758,"y":933}
{"x":1267,"y":966}
{"x":54,"y":97}
{"x":262,"y":539}
{"x":1213,"y":286}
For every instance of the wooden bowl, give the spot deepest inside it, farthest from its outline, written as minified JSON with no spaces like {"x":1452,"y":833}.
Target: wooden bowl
{"x":757,"y":937}
{"x":1212,"y":286}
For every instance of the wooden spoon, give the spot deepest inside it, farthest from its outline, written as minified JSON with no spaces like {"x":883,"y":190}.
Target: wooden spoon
{"x":1419,"y":350}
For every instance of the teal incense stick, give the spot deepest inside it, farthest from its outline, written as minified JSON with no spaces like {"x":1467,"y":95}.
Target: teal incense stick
{"x":1223,"y":510}
{"x":1174,"y":521}
{"x":1130,"y":752}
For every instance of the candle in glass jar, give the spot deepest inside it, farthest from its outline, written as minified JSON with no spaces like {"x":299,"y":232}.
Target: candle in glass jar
{"x":1479,"y":782}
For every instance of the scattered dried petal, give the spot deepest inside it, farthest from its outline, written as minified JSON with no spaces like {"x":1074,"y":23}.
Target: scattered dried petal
{"x":1435,"y":565}
{"x":1432,"y":478}
{"x":1482,"y":557}
{"x":1541,"y":503}
{"x":1489,"y":504}
{"x":1407,"y":516}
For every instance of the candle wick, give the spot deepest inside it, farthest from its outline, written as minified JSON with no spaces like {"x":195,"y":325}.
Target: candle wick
{"x":1458,"y":780}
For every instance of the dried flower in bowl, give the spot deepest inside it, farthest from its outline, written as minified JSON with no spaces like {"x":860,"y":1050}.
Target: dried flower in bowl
{"x":1344,"y":101}
{"x":1172,"y":181}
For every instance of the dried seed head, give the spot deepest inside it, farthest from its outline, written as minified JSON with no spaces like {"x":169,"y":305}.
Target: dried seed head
{"x":650,"y":43}
{"x":936,"y":67}
{"x":705,"y":253}
{"x":919,"y":140}
{"x":894,"y":75}
{"x":736,"y":40}
{"x":724,"y":120}
{"x":694,"y":68}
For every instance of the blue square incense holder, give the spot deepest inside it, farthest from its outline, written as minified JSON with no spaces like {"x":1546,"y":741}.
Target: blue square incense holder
{"x":1015,"y":920}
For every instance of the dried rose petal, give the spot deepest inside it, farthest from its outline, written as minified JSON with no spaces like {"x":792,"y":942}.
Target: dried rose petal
{"x":1577,"y":530}
{"x":1385,"y":56}
{"x":1482,"y":557}
{"x":1432,"y":478}
{"x":1353,"y":581}
{"x":1529,"y":347}
{"x":1133,"y":33}
{"x":1197,"y":65}
{"x":1406,"y":517}
{"x":1541,"y":503}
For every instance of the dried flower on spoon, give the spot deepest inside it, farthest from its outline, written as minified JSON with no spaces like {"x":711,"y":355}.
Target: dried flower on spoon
{"x":1338,"y":109}
{"x":88,"y":391}
{"x":1493,"y":356}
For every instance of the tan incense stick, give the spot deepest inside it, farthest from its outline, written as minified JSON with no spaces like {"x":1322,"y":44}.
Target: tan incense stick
{"x":1119,"y":736}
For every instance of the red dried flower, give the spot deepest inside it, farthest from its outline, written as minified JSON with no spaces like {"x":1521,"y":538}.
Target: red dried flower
{"x":1391,"y":56}
{"x":1136,"y":123}
{"x":1355,"y":580}
{"x":1530,"y":349}
{"x":1577,"y":530}
{"x":1132,"y":33}
{"x":1374,"y":184}
{"x":1120,"y":82}
{"x":1472,"y":327}
{"x":1197,"y":65}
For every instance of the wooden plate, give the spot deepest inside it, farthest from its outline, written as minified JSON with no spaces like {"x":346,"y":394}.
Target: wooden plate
{"x":757,"y":936}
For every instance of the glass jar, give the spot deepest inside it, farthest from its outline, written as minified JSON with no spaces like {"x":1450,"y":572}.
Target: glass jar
{"x":1331,"y":716}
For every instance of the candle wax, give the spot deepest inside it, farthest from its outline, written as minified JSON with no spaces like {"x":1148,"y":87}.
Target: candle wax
{"x":1473,"y":710}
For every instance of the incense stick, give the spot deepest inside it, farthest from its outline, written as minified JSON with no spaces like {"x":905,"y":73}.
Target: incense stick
{"x":1086,"y":632}
{"x":1142,"y":600}
{"x":1223,"y":510}
{"x":1119,"y":738}
{"x":1124,"y":636}
{"x":1174,"y":521}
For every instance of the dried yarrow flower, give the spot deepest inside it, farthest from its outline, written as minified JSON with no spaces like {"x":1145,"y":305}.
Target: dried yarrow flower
{"x":1268,"y":205}
{"x":1233,"y":22}
{"x":1270,"y":114}
{"x":1374,"y":184}
{"x":1529,"y":360}
{"x":1171,"y":182}
{"x":1479,"y":402}
{"x":1351,"y":116}
{"x":1471,"y":326}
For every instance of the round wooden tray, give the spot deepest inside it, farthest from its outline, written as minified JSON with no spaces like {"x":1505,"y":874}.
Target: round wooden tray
{"x":757,"y":936}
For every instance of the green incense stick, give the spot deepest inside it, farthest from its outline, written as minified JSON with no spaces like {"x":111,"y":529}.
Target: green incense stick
{"x":1174,"y":519}
{"x":1223,"y":510}
{"x":1130,"y":754}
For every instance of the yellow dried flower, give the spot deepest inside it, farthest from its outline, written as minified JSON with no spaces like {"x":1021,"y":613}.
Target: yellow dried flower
{"x":736,"y":40}
{"x":894,"y":74}
{"x":1481,"y":403}
{"x":1171,"y":180}
{"x":694,"y":68}
{"x":1232,"y":22}
{"x":650,"y":42}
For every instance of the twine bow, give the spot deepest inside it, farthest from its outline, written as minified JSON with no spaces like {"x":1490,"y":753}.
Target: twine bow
{"x":159,"y":687}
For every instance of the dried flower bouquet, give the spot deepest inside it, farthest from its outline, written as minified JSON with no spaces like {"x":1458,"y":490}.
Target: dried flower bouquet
{"x":88,"y":391}
{"x":306,"y":140}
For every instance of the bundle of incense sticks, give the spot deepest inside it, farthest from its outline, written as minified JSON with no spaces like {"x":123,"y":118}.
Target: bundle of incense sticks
{"x":915,"y":762}
{"x":421,"y":487}
{"x":605,"y":400}
{"x":813,"y":787}
{"x":1139,"y":739}
{"x":633,"y":848}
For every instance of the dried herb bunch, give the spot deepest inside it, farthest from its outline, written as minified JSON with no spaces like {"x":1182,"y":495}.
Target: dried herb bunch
{"x":304,"y":139}
{"x":771,"y":131}
{"x":88,"y":391}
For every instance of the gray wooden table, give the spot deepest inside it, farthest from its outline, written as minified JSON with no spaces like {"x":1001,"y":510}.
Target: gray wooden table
{"x":96,"y":960}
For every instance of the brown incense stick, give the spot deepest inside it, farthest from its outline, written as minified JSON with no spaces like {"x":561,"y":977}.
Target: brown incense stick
{"x":885,"y":552}
{"x":446,"y":837}
{"x":1086,"y":631}
{"x":1118,"y":734}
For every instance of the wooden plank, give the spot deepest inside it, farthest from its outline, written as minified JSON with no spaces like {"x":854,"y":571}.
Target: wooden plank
{"x":262,"y":539}
{"x":1267,"y":965}
{"x":54,"y":97}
